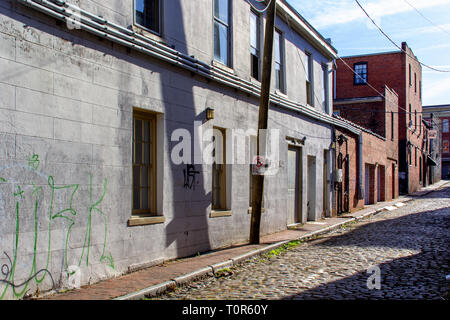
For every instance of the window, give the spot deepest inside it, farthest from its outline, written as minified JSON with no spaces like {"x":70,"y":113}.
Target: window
{"x":420,"y":89}
{"x":410,"y":114}
{"x":420,"y":125}
{"x":415,"y":157}
{"x":144,"y":163}
{"x":219,"y":170}
{"x":148,"y":14}
{"x":445,"y":146}
{"x":255,"y":45}
{"x":309,"y":80}
{"x":415,"y":120}
{"x":410,"y":156}
{"x":445,"y":128}
{"x":415,"y":83}
{"x":279,"y":67}
{"x":325,"y":88}
{"x":222,"y":31}
{"x":360,"y":76}
{"x":410,"y":80}
{"x":392,"y":126}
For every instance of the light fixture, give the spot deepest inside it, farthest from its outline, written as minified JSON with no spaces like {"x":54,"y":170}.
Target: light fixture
{"x":209,"y":113}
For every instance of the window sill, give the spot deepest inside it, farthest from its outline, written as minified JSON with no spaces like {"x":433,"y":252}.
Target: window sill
{"x":220,"y":213}
{"x":281,"y":93}
{"x":143,"y":220}
{"x":255,"y":81}
{"x":222,"y":66}
{"x":148,"y":33}
{"x":249,"y":211}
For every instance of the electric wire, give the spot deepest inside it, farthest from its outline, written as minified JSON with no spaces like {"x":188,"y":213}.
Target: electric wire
{"x":420,"y":13}
{"x":393,"y":42}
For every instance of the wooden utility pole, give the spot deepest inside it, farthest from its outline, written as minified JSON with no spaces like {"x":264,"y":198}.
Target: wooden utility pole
{"x":258,"y":180}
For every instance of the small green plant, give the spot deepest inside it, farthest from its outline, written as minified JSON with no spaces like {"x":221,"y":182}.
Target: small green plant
{"x":283,"y":248}
{"x":225,"y":272}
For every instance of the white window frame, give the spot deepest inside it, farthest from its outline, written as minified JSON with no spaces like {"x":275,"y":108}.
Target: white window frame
{"x":159,"y":32}
{"x":228,"y":25}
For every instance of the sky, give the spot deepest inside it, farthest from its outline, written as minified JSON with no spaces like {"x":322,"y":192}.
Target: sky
{"x":423,"y":24}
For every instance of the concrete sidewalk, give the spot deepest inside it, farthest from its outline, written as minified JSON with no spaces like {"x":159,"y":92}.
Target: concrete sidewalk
{"x":157,"y":279}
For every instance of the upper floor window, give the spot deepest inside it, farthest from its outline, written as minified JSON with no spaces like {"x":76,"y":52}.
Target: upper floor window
{"x":309,"y":80}
{"x":255,"y":45}
{"x":148,"y":14}
{"x":392,"y":126}
{"x":279,"y":65}
{"x":415,"y":120}
{"x":325,"y":88}
{"x":445,"y":128}
{"x":360,"y":76}
{"x":415,"y":82}
{"x":410,"y":76}
{"x":222,"y":31}
{"x":420,"y":89}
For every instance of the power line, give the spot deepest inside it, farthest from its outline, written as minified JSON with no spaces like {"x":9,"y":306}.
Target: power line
{"x":437,"y":26}
{"x":393,"y":42}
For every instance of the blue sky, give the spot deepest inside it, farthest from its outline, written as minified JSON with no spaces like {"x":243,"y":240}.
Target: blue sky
{"x":352,"y":33}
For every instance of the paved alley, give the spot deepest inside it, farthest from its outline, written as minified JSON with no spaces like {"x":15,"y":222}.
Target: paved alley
{"x":399,"y":254}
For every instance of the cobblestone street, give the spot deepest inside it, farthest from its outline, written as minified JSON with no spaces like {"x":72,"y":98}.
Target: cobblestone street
{"x":409,"y":245}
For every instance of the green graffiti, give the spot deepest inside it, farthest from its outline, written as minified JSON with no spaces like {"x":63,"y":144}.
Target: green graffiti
{"x":9,"y":272}
{"x":33,"y":161}
{"x":68,"y":213}
{"x":93,"y":207}
{"x":19,"y":192}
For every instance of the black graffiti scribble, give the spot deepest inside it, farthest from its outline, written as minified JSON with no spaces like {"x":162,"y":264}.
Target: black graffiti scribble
{"x":6,"y":271}
{"x":189,"y":176}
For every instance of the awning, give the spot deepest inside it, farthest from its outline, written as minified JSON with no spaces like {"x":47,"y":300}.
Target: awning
{"x":431,"y":162}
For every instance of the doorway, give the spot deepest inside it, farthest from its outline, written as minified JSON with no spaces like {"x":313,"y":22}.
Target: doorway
{"x":294,"y":181}
{"x":311,"y":205}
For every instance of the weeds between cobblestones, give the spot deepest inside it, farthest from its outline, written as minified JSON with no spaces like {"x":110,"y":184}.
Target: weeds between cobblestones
{"x":409,"y":245}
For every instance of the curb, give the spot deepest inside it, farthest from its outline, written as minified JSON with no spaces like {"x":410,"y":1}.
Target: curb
{"x":212,"y":269}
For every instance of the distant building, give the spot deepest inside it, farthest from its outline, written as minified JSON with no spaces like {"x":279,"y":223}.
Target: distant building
{"x":359,"y":96}
{"x":366,"y":163}
{"x":438,"y":116}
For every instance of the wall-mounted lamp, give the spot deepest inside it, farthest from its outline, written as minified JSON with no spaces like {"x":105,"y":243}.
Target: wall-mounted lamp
{"x":209,"y":113}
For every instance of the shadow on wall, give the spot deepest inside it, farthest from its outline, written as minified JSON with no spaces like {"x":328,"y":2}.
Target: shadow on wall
{"x":187,"y":231}
{"x":419,"y":276}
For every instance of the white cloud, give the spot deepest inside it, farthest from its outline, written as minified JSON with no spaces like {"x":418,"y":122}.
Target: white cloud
{"x":436,"y":89}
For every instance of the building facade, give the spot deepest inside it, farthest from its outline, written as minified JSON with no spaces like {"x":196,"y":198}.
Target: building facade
{"x":127,"y":130}
{"x":366,"y":163}
{"x":438,"y":117}
{"x":364,"y":78}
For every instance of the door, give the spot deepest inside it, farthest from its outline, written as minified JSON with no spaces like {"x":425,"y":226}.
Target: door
{"x":379,"y":184}
{"x":294,"y":170}
{"x":393,"y":181}
{"x":366,"y":184}
{"x":325,"y":184}
{"x":311,"y":208}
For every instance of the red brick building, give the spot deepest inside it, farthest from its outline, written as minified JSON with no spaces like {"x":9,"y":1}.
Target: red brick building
{"x":366,"y":161}
{"x":438,"y":116}
{"x":359,"y":98}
